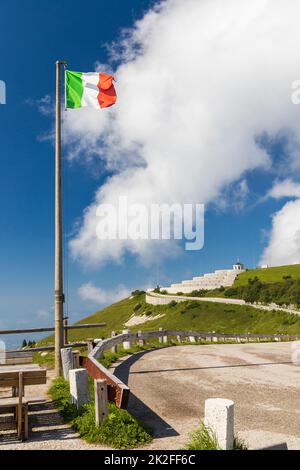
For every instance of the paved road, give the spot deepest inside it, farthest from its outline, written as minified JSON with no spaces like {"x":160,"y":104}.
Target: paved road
{"x":169,"y":387}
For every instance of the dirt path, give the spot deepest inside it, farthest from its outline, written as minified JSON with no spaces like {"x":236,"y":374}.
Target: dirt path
{"x":169,"y":387}
{"x":47,"y":430}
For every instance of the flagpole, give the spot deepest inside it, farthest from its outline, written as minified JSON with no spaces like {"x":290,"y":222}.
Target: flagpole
{"x":59,"y":295}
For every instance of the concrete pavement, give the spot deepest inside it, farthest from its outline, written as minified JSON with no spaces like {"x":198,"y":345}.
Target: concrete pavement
{"x":169,"y":387}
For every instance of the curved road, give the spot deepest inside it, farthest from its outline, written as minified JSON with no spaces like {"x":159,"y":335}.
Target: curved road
{"x":169,"y":387}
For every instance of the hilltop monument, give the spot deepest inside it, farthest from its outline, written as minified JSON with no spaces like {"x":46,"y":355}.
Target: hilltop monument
{"x":209,"y":281}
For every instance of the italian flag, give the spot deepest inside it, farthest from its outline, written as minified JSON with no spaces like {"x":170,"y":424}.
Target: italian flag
{"x":89,"y":89}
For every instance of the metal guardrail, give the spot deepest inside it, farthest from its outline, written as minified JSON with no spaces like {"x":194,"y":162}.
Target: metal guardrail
{"x":119,"y":392}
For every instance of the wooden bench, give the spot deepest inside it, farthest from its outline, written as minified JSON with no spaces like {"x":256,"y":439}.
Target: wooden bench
{"x":13,"y":358}
{"x":18,"y":380}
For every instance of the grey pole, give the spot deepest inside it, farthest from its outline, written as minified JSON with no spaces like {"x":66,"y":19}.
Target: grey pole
{"x":59,"y":296}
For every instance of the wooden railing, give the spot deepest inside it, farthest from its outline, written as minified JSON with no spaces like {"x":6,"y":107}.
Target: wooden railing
{"x":118,"y":392}
{"x":49,"y":329}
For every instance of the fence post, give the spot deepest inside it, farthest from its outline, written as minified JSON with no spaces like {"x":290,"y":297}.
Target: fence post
{"x":114,"y":349}
{"x":219,"y":417}
{"x":160,"y":339}
{"x":141,"y":342}
{"x":214,"y":338}
{"x":178,"y":339}
{"x":101,"y":401}
{"x":165,"y":339}
{"x":76,"y":355}
{"x":65,"y":324}
{"x":67,"y":361}
{"x":90,"y":345}
{"x":79,"y":387}
{"x":126,"y":344}
{"x":192,"y":339}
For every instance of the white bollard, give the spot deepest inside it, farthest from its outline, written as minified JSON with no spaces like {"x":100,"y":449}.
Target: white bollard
{"x":219,"y":417}
{"x":126,"y":344}
{"x":79,"y":387}
{"x":192,"y":339}
{"x":67,"y":361}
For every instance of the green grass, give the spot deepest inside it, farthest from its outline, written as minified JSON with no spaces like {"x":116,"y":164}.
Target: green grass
{"x":191,"y":315}
{"x":120,"y":430}
{"x":203,"y":438}
{"x":269,"y":275}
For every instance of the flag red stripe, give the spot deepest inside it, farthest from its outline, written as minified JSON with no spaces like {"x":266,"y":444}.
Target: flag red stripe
{"x":107,"y":94}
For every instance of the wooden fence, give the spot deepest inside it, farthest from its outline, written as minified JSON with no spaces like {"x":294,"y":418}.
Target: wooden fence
{"x":49,"y":329}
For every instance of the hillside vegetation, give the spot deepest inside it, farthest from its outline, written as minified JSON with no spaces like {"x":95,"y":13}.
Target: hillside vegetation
{"x":190,"y":315}
{"x":268,"y":275}
{"x":284,"y":293}
{"x":280,"y":285}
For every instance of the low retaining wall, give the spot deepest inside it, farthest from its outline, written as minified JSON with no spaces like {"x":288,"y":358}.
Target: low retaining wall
{"x":164,"y":299}
{"x":153,"y":298}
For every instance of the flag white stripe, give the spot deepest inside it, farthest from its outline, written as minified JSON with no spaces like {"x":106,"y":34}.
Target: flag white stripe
{"x":90,"y":90}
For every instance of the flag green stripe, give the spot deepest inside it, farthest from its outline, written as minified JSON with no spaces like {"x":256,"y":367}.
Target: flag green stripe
{"x":74,"y":89}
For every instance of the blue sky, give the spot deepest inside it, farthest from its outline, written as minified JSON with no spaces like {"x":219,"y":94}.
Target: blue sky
{"x":33,"y":35}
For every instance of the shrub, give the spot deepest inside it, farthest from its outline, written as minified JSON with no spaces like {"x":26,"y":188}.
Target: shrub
{"x":204,"y":438}
{"x":137,"y":307}
{"x":198,"y":293}
{"x":231,"y":292}
{"x":173,"y":303}
{"x":164,"y":291}
{"x":192,"y":304}
{"x":120,"y":430}
{"x":137,"y":292}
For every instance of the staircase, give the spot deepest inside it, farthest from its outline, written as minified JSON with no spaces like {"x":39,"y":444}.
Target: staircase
{"x":215,"y":280}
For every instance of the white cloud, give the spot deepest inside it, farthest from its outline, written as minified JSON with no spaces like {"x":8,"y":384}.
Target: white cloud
{"x":97,"y":295}
{"x":198,"y":81}
{"x":285,"y":188}
{"x":45,"y":105}
{"x":284,"y":243}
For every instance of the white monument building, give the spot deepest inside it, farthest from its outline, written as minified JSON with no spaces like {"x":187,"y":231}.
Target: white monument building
{"x":209,"y":281}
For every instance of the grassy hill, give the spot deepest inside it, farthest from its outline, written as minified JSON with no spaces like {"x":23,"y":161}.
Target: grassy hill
{"x":190,"y":315}
{"x":269,"y":275}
